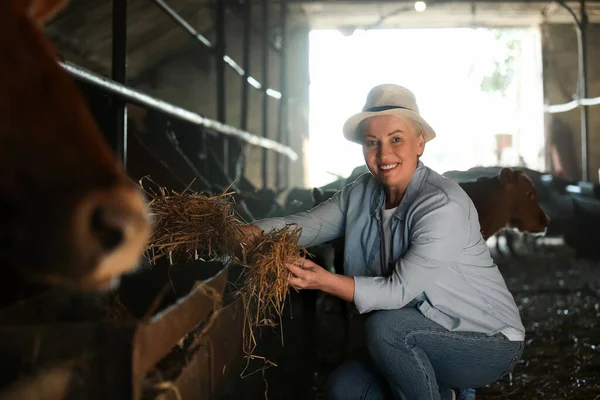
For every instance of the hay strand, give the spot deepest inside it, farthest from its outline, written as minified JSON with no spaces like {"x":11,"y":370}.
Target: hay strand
{"x":216,"y":298}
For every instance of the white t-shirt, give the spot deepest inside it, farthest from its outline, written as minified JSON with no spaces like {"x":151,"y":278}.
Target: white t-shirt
{"x":379,"y":268}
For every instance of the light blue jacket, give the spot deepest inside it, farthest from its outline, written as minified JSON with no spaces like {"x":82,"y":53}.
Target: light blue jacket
{"x":441,"y":259}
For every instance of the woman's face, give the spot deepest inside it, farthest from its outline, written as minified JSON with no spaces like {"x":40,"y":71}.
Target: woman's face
{"x":391,"y":148}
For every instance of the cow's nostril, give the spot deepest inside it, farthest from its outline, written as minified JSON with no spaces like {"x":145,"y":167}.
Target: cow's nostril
{"x":106,"y":228}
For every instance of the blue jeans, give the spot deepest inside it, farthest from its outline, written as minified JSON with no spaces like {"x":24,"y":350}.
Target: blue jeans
{"x":413,"y":358}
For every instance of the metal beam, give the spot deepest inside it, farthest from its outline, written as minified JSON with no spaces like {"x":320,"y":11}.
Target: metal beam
{"x":247,"y":47}
{"x":560,"y":108}
{"x":238,"y":8}
{"x":183,"y":23}
{"x":281,"y":170}
{"x":136,"y":97}
{"x":119,"y":74}
{"x":220,"y":84}
{"x":582,"y":52}
{"x":580,"y":28}
{"x":265,"y":79}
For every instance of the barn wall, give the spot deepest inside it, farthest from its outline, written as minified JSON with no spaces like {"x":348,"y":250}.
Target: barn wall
{"x":188,"y":79}
{"x":559,"y":49}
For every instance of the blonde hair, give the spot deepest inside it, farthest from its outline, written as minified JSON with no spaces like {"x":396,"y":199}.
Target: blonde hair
{"x":419,"y":131}
{"x":417,"y":128}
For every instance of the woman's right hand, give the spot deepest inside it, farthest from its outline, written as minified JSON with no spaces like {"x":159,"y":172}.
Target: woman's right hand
{"x":248,"y":233}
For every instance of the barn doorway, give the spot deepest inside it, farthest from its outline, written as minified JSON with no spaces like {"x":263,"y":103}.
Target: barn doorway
{"x":481,"y":89}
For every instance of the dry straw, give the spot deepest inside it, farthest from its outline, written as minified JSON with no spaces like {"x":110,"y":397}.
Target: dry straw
{"x":190,"y":226}
{"x":265,"y":287}
{"x":187,"y":225}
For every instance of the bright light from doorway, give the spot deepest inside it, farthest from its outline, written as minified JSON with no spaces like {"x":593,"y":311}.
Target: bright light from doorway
{"x":440,"y":66}
{"x":420,"y":6}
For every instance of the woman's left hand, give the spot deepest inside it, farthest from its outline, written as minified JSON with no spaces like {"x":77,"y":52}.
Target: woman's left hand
{"x":307,"y":275}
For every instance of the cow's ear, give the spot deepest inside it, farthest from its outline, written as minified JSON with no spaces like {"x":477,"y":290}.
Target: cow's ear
{"x":506,"y":176}
{"x":41,"y":11}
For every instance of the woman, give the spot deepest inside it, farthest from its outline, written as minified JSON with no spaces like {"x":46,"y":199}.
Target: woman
{"x":440,"y":315}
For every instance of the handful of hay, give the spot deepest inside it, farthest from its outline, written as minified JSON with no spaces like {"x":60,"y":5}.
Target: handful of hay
{"x":266,"y":284}
{"x":190,"y":225}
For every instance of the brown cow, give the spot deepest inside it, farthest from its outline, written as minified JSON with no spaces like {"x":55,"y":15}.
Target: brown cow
{"x":69,"y":215}
{"x":506,"y":200}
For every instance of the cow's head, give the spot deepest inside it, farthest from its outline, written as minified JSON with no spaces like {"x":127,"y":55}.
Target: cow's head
{"x":69,"y":215}
{"x":524,"y":210}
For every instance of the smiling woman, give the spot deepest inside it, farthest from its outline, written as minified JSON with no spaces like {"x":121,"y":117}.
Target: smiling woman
{"x":439,"y":315}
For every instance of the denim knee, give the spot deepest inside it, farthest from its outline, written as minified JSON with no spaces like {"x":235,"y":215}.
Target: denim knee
{"x":382,"y":332}
{"x":387,"y":328}
{"x":353,"y":380}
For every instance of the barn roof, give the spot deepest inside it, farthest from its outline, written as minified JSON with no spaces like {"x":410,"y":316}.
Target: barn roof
{"x":83,"y":30}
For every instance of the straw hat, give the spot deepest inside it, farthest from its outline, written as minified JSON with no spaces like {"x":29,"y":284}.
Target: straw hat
{"x":387,"y":99}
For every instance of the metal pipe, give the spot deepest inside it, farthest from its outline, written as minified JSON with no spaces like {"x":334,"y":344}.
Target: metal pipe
{"x":202,"y":39}
{"x":183,"y":23}
{"x":220,"y":84}
{"x":247,"y":46}
{"x":281,"y":165}
{"x":220,"y":67}
{"x":119,"y":74}
{"x":582,"y":52}
{"x":234,"y":8}
{"x":560,"y":108}
{"x":265,"y":79}
{"x":580,"y":28}
{"x":135,"y":97}
{"x":246,"y":56}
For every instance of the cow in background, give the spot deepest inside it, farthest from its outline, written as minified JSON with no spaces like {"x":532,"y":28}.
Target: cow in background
{"x":69,"y":215}
{"x":506,"y":200}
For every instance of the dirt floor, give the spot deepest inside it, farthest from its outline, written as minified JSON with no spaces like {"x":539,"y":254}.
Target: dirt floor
{"x":559,"y":298}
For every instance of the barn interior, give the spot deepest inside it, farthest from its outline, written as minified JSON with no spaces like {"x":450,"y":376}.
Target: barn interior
{"x":249,"y":96}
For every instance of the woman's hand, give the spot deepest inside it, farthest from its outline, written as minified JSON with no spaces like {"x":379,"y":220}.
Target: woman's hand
{"x":248,"y":233}
{"x":308,"y":275}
